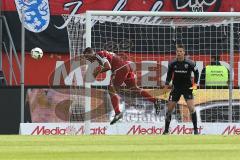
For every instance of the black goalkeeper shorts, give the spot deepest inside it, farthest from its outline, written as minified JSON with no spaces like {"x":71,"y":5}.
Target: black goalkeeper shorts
{"x":176,"y":94}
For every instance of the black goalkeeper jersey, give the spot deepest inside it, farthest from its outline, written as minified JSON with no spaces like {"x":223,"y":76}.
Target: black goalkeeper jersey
{"x":180,"y":73}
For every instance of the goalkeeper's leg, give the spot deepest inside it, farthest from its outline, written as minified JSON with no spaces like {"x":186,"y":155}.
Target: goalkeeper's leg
{"x":188,"y":95}
{"x":170,"y":106}
{"x":174,"y":97}
{"x":190,"y":104}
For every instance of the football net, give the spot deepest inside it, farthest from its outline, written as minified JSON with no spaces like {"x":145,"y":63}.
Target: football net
{"x":149,"y":41}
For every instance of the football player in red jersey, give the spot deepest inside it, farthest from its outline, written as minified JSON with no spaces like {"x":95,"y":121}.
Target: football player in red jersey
{"x":121,"y":73}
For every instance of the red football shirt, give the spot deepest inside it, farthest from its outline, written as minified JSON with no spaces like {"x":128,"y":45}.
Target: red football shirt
{"x":115,"y":61}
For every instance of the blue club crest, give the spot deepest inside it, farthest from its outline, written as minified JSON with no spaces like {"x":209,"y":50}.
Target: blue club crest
{"x":35,"y":13}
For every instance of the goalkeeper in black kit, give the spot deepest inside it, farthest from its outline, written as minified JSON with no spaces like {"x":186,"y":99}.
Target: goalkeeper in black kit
{"x":179,"y":71}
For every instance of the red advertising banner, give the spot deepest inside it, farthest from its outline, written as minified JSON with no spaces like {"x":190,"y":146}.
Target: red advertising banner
{"x":37,"y":72}
{"x":43,"y":71}
{"x":58,"y":7}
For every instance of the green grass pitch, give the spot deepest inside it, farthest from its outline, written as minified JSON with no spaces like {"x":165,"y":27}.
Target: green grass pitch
{"x":119,"y":147}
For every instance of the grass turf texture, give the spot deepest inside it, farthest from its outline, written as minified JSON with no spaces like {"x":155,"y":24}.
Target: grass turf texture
{"x":120,"y":147}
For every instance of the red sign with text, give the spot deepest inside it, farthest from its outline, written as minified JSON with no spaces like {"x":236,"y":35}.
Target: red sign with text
{"x":41,"y":72}
{"x":59,"y":7}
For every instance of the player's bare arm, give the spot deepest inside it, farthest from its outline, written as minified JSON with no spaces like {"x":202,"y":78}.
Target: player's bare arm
{"x":102,"y":68}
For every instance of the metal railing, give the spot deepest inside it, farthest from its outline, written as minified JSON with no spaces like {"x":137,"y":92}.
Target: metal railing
{"x":10,"y":54}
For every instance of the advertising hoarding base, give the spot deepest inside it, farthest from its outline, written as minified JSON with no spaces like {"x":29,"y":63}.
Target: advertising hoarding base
{"x":127,"y":129}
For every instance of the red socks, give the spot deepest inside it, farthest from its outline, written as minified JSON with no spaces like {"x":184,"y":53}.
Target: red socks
{"x":115,"y":103}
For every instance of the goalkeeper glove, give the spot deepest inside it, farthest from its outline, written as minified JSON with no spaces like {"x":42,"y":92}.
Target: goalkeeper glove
{"x":194,"y":89}
{"x":165,"y":91}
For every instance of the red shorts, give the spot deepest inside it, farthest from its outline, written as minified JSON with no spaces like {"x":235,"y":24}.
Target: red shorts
{"x":123,"y":75}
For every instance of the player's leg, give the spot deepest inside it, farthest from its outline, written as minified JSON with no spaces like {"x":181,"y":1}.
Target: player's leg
{"x":131,"y":84}
{"x":116,"y":81}
{"x":190,"y":103}
{"x":115,"y":100}
{"x":168,"y":117}
{"x":172,"y":101}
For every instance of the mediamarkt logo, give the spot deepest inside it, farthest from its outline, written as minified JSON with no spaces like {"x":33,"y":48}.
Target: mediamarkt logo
{"x":231,"y":130}
{"x":42,"y":130}
{"x":179,"y":129}
{"x":69,"y":130}
{"x":182,"y":129}
{"x":142,"y":130}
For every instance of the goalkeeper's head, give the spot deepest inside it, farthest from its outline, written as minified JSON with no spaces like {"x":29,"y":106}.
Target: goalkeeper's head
{"x":180,"y":52}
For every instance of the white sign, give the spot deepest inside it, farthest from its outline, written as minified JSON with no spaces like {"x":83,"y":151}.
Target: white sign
{"x":127,"y":128}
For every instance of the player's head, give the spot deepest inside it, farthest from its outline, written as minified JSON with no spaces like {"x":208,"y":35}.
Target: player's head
{"x":89,"y":54}
{"x":88,"y":51}
{"x":180,"y":51}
